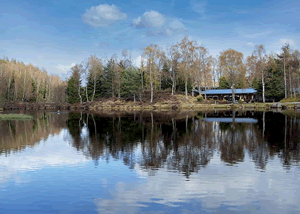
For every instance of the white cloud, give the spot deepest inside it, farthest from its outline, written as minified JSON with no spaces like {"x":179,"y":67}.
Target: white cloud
{"x":198,"y":6}
{"x":174,"y":27}
{"x":287,"y":41}
{"x":256,"y":35}
{"x":138,"y":60}
{"x":103,"y":15}
{"x":158,"y":25}
{"x":101,"y":44}
{"x":249,"y":44}
{"x":64,"y":68}
{"x":149,"y":20}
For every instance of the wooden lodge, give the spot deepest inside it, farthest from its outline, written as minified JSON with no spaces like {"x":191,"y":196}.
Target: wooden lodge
{"x":246,"y":94}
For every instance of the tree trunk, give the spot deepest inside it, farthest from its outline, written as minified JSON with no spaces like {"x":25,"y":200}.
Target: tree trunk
{"x":263,"y":86}
{"x":299,"y":72}
{"x":173,"y":86}
{"x":298,"y":83}
{"x":160,"y":81}
{"x":186,"y":92}
{"x":173,"y":82}
{"x":233,"y":95}
{"x":94,"y":91}
{"x":285,"y":91}
{"x":8,"y":89}
{"x":37,"y":91}
{"x":291,"y":87}
{"x":112,"y":87}
{"x":119,"y":95}
{"x":23,"y":96}
{"x":151,"y":85}
{"x":142,"y":79}
{"x":79,"y":94}
{"x":86,"y":94}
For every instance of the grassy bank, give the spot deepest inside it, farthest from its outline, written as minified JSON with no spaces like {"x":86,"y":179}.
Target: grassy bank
{"x":179,"y":102}
{"x":288,"y":100}
{"x":15,"y":117}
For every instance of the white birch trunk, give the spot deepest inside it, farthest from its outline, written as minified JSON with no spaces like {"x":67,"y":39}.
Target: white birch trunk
{"x":285,"y":91}
{"x":263,"y":87}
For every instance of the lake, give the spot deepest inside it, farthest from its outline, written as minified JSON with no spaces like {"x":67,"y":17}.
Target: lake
{"x":173,"y":162}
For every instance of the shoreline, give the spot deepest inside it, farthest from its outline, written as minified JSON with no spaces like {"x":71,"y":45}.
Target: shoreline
{"x":191,"y":106}
{"x":176,"y":103}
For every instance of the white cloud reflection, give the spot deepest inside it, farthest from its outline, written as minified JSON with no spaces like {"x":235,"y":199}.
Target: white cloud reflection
{"x":237,"y":188}
{"x":53,"y":152}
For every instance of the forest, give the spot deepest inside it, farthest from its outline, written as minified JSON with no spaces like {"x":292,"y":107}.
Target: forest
{"x":28,"y":83}
{"x":178,"y":69}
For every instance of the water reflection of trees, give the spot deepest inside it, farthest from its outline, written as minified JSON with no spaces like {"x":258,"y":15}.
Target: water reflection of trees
{"x":184,"y":143}
{"x":16,"y":135}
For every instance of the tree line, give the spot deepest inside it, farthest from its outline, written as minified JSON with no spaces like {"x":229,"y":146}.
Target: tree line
{"x":28,"y":83}
{"x":178,"y":69}
{"x":182,"y":68}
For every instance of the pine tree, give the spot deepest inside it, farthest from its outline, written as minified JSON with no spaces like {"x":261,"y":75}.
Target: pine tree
{"x":73,"y":86}
{"x":275,"y":86}
{"x":108,"y":88}
{"x":131,"y":84}
{"x":166,"y":81}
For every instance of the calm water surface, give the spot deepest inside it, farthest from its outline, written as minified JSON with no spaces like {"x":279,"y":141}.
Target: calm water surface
{"x":217,"y":162}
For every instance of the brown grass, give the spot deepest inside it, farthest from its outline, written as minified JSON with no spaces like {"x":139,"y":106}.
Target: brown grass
{"x":165,"y":101}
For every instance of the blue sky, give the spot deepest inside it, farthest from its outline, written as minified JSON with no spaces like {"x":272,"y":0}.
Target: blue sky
{"x":56,"y":34}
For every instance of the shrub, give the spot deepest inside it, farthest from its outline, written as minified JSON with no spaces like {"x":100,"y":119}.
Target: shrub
{"x":241,"y":101}
{"x":199,"y":98}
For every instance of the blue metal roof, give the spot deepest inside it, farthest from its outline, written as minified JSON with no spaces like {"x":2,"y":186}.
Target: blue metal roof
{"x":230,"y":120}
{"x":229,"y":91}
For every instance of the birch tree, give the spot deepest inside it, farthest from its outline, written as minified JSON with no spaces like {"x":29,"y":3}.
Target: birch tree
{"x":95,"y":70}
{"x":231,"y":61}
{"x":285,"y":55}
{"x":188,"y":52}
{"x":152,"y":54}
{"x":257,"y":66}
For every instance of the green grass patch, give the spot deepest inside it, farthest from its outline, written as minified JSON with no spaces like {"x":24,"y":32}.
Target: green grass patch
{"x":222,"y":106}
{"x":288,"y":100}
{"x":15,"y":117}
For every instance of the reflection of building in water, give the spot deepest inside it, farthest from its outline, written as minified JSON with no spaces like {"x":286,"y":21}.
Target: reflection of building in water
{"x":186,"y":143}
{"x":230,"y":120}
